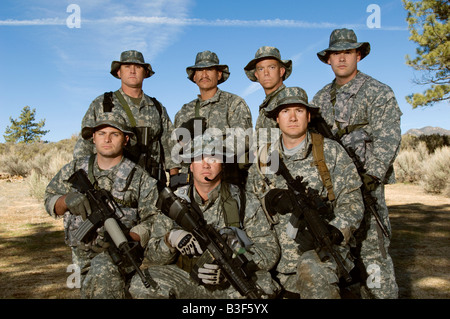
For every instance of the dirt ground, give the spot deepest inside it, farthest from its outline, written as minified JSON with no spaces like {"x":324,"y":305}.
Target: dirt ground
{"x":34,"y":258}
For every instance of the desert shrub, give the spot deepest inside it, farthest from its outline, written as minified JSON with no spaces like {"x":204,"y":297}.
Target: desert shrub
{"x":44,"y":167}
{"x":436,"y":172}
{"x":435,"y":141}
{"x":409,"y":142}
{"x":21,"y":159}
{"x":409,"y":162}
{"x":11,"y":164}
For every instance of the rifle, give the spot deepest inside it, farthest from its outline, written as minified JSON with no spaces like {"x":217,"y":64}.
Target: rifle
{"x":310,"y":206}
{"x":104,"y":212}
{"x":369,"y":200}
{"x":155,"y":169}
{"x":238,"y":270}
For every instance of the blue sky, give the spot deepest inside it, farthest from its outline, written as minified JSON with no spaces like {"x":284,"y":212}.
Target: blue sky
{"x":59,"y":70}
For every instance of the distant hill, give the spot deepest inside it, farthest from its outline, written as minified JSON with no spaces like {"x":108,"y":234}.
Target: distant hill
{"x":427,"y":130}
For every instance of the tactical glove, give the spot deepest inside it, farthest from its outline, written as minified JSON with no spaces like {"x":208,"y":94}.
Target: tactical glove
{"x":195,"y":126}
{"x":185,"y":242}
{"x":336,"y":236}
{"x":78,"y":204}
{"x":210,"y":274}
{"x":278,"y":201}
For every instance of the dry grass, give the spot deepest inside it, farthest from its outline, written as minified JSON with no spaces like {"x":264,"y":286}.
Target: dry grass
{"x":34,"y":258}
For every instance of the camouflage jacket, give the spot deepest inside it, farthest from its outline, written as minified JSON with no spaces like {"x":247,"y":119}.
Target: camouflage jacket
{"x":137,"y":201}
{"x":145,"y":115}
{"x":264,"y":122}
{"x":264,"y":251}
{"x":348,"y":206}
{"x":371,"y":108}
{"x":226,"y":112}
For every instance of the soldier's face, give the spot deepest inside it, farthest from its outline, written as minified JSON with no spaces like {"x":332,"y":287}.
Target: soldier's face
{"x":269,"y":74}
{"x":109,"y":141}
{"x":344,"y":64}
{"x":207,"y":78}
{"x":132,"y":75}
{"x":293,"y":121}
{"x":207,"y":167}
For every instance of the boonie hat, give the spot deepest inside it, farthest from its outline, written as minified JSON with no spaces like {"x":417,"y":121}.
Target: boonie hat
{"x":206,"y":144}
{"x":108,"y":119}
{"x":207,"y":59}
{"x":266,"y":52}
{"x":290,"y":95}
{"x":131,"y":56}
{"x":341,"y":40}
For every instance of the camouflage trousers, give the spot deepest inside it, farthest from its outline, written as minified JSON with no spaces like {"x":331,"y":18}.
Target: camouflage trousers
{"x":316,"y":277}
{"x":173,"y":282}
{"x":373,"y":252}
{"x":100,"y":277}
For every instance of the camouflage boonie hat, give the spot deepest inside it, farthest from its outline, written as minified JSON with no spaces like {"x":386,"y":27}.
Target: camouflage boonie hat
{"x":109,"y":119}
{"x":131,"y":57}
{"x":266,"y":52}
{"x":290,"y":95}
{"x":207,"y":59}
{"x":341,"y":40}
{"x":212,"y":145}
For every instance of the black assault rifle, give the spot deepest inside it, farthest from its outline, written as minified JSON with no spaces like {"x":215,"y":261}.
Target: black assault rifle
{"x":310,"y":206}
{"x":238,"y":270}
{"x":105,"y":213}
{"x":370,"y":201}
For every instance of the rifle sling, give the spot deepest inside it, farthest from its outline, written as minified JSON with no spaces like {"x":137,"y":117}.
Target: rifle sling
{"x":126,"y":108}
{"x":319,"y":162}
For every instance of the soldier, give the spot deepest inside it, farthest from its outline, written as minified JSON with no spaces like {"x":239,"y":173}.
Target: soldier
{"x":216,"y":109}
{"x":132,"y":188}
{"x":303,"y":269}
{"x":237,"y":217}
{"x":144,"y":114}
{"x":364,"y":114}
{"x":270,"y":71}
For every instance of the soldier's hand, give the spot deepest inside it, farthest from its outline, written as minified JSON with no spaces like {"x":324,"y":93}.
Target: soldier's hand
{"x":336,"y":236}
{"x":370,"y":182}
{"x":185,"y":242}
{"x":78,"y":204}
{"x":210,"y":274}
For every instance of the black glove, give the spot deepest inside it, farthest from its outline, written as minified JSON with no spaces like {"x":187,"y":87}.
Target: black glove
{"x":336,"y":236}
{"x":278,"y":201}
{"x":192,"y":125}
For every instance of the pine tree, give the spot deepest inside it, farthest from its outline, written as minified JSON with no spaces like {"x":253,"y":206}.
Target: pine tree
{"x":24,"y":129}
{"x":429,"y":26}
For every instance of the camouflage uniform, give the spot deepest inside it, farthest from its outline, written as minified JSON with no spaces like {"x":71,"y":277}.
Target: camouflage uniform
{"x":100,"y":277}
{"x":265,"y":126}
{"x":369,"y":111}
{"x":145,"y":114}
{"x":223,"y":111}
{"x":175,"y":282}
{"x":135,"y":193}
{"x":301,"y":270}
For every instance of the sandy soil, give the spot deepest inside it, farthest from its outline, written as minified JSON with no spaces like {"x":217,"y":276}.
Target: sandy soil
{"x":34,"y":258}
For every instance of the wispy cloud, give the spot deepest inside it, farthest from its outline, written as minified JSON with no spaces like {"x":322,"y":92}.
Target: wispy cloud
{"x":35,"y":22}
{"x":171,"y":21}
